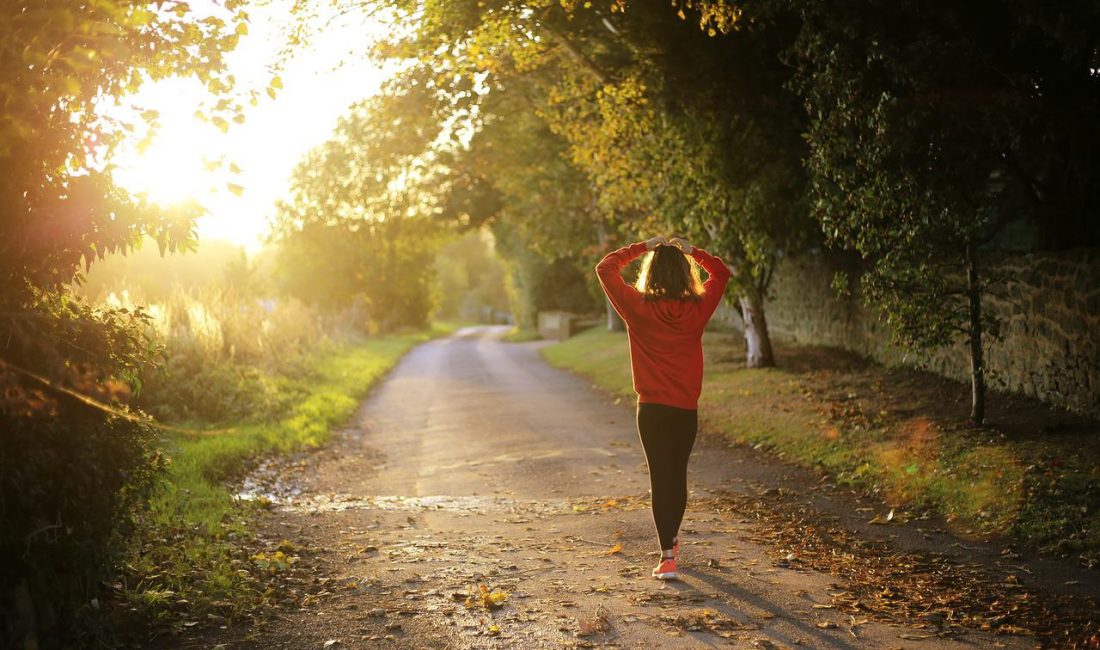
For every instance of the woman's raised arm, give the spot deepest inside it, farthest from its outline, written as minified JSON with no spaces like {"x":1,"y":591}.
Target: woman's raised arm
{"x":610,"y":268}
{"x":719,"y":277}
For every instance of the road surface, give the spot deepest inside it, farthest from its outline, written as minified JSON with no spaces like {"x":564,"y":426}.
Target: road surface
{"x":476,"y":463}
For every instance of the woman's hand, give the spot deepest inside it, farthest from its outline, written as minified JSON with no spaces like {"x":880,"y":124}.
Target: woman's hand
{"x":684,"y":247}
{"x":654,"y":242}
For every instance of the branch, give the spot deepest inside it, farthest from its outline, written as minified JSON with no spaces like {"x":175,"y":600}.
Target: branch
{"x":577,"y":55}
{"x":106,"y":408}
{"x":766,"y":280}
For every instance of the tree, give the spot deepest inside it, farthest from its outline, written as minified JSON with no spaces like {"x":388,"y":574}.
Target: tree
{"x":59,"y":208}
{"x":695,"y":133}
{"x":542,"y":213}
{"x":70,"y":472}
{"x":660,"y":147}
{"x":360,"y":223}
{"x":934,"y":125}
{"x":471,"y":279}
{"x":60,"y":61}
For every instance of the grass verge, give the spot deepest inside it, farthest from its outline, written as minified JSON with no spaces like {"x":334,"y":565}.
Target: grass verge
{"x":517,"y":335}
{"x":1031,"y":474}
{"x":192,"y":560}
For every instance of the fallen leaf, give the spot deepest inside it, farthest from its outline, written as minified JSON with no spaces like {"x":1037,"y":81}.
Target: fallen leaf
{"x":1014,"y":629}
{"x":882,"y":521}
{"x":485,"y":597}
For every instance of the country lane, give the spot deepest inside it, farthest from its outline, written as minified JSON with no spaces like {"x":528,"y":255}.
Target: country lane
{"x":476,"y":463}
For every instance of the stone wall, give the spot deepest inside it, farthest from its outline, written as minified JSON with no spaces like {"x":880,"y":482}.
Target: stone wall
{"x":1049,"y":309}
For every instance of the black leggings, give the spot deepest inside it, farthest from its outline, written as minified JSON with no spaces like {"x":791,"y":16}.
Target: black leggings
{"x":668,"y":434}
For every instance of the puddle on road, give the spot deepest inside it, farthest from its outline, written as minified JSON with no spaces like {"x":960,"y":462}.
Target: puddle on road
{"x":274,"y":480}
{"x":463,"y":505}
{"x":277,"y":482}
{"x":439,"y":503}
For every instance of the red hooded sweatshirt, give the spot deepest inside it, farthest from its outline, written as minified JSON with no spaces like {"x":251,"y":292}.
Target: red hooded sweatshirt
{"x":666,"y":346}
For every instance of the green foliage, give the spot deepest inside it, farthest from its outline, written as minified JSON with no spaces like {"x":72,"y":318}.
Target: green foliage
{"x":536,"y":284}
{"x":359,"y":224}
{"x":64,"y":341}
{"x":597,"y":127}
{"x":58,"y":60}
{"x":188,"y":388}
{"x":470,"y":278}
{"x":72,"y":475}
{"x":381,"y":269}
{"x":926,"y":139}
{"x":932,"y":128}
{"x":70,"y":486}
{"x":711,"y":150}
{"x":222,"y":351}
{"x":542,"y":212}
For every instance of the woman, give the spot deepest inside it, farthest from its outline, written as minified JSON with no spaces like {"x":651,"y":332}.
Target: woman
{"x":665,"y":313}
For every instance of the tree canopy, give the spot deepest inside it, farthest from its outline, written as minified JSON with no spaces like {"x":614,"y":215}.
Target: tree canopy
{"x":62,"y":63}
{"x":936,"y":127}
{"x":660,"y":126}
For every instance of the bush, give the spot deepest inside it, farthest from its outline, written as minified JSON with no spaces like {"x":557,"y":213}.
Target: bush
{"x":71,"y":474}
{"x":70,"y":484}
{"x":75,"y":479}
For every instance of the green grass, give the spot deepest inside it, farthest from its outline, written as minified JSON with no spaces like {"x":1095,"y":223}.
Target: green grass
{"x":885,"y":432}
{"x":191,"y":544}
{"x":598,"y":354}
{"x":517,"y":335}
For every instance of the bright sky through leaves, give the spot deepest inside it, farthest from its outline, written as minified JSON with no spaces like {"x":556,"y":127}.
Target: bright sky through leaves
{"x":319,"y":83}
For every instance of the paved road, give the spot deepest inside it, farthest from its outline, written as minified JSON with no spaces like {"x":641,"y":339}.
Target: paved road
{"x":477,"y":463}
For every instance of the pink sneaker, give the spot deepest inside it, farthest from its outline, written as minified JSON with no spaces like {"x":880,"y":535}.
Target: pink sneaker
{"x":666,"y":570}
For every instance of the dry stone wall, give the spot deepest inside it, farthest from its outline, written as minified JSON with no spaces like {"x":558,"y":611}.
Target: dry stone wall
{"x":1049,"y":309}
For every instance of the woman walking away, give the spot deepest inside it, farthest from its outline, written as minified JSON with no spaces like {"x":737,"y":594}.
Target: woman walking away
{"x":665,"y":313}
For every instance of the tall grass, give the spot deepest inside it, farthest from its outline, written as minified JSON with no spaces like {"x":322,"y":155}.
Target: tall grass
{"x":225,"y":355}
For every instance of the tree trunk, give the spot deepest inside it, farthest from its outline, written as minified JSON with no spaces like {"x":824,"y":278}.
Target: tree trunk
{"x":614,"y":321}
{"x":758,"y":344}
{"x":977,"y":364}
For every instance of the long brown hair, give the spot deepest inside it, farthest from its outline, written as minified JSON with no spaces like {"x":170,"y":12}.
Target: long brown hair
{"x":667,"y":273}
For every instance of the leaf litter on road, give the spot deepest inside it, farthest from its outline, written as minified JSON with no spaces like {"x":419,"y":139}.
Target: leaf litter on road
{"x":932,"y":592}
{"x":705,"y":619}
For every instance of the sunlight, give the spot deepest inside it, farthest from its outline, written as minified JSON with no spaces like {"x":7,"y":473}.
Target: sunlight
{"x":174,"y":166}
{"x":238,"y":175}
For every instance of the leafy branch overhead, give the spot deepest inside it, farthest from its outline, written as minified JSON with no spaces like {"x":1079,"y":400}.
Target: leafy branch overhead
{"x":712,"y":150}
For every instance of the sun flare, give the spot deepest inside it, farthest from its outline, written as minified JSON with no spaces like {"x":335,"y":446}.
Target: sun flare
{"x":238,"y":174}
{"x":176,"y":166}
